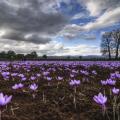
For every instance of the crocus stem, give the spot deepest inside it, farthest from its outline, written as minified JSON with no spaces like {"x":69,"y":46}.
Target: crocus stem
{"x":74,"y":101}
{"x":114,"y":107}
{"x":6,"y":106}
{"x":104,"y":92}
{"x":33,"y":95}
{"x":12,"y":110}
{"x":110,"y":93}
{"x":114,"y":111}
{"x":48,"y":83}
{"x":107,"y":115}
{"x":75,"y":90}
{"x":115,"y":99}
{"x":74,"y":98}
{"x":118,"y":112}
{"x":0,"y":115}
{"x":58,"y":85}
{"x":44,"y":97}
{"x":105,"y":112}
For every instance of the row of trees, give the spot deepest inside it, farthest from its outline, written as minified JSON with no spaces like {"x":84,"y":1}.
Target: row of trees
{"x":11,"y":55}
{"x":110,"y":44}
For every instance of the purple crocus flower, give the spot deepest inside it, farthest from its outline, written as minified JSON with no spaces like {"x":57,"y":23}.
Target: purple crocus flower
{"x":49,"y":78}
{"x":111,"y":82}
{"x":20,"y":85}
{"x":23,"y":78}
{"x":115,"y":75}
{"x":94,"y":72}
{"x":14,"y":74}
{"x":17,"y":86}
{"x":100,"y":99}
{"x":28,"y":70}
{"x":74,"y":71}
{"x":118,"y":76}
{"x":84,"y":72}
{"x":5,"y":75}
{"x":45,"y":73}
{"x":103,"y":82}
{"x":115,"y":90}
{"x":32,"y":77}
{"x":74,"y":82}
{"x":60,"y":78}
{"x":71,"y":75}
{"x":38,"y":75}
{"x":33,"y":87}
{"x":21,"y":75}
{"x":4,"y":100}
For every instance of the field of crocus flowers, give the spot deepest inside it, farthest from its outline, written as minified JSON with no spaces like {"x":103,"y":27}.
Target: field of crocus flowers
{"x":59,"y":90}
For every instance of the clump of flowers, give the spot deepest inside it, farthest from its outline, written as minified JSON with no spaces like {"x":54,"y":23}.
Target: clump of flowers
{"x":17,"y":86}
{"x":111,"y":82}
{"x":108,"y":82}
{"x":74,"y":82}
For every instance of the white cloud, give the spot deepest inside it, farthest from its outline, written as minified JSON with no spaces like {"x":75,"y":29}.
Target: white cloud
{"x":23,"y":47}
{"x":93,"y":8}
{"x":109,"y":18}
{"x":70,"y":31}
{"x":81,"y":49}
{"x":78,"y":16}
{"x":52,"y":48}
{"x":96,"y":7}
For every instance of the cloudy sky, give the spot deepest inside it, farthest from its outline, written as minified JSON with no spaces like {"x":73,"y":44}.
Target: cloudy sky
{"x":56,"y":27}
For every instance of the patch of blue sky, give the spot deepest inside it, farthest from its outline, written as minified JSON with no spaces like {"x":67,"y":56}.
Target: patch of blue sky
{"x":82,"y":21}
{"x":77,"y":41}
{"x":71,"y":9}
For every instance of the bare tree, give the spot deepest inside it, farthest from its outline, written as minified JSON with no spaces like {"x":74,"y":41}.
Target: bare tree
{"x":116,"y":39}
{"x":106,"y":44}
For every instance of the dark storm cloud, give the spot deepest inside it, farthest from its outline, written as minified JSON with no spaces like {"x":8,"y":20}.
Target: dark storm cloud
{"x":27,"y":17}
{"x":38,"y":39}
{"x":33,"y":38}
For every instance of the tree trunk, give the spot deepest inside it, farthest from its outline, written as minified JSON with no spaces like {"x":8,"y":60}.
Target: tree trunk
{"x":117,"y":51}
{"x":109,"y":54}
{"x":109,"y":50}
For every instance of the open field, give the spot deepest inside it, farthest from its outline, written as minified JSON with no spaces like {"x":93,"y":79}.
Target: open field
{"x":62,"y":90}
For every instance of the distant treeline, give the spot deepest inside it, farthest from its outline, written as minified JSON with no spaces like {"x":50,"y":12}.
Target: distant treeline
{"x":12,"y":55}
